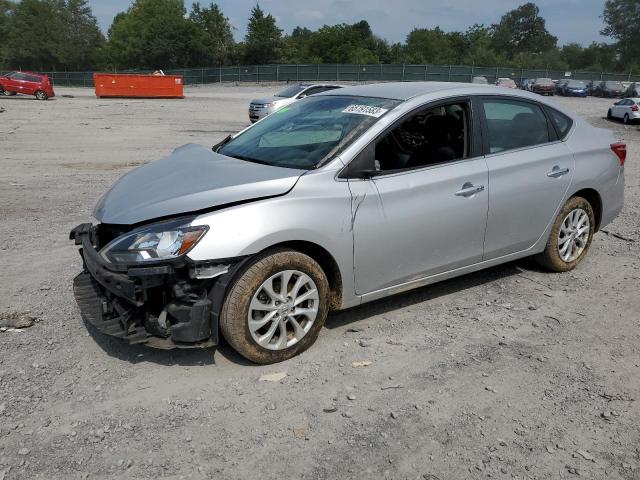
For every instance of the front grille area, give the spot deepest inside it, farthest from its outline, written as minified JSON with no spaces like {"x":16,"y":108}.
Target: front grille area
{"x":105,"y":233}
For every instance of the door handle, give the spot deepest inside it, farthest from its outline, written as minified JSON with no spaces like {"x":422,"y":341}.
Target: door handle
{"x":469,"y":189}
{"x":557,"y":172}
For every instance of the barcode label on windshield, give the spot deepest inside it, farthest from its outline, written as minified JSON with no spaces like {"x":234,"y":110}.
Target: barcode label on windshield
{"x":365,"y":110}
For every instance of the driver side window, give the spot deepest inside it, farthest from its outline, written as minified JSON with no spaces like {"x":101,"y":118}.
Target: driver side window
{"x":432,"y":136}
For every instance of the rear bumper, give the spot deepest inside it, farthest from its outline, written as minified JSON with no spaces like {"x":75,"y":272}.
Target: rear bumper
{"x":159,"y":306}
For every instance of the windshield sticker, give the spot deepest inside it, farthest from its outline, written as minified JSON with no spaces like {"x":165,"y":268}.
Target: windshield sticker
{"x":376,"y":112}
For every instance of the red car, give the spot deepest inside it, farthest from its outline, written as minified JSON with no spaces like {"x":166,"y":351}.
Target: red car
{"x":26,"y":83}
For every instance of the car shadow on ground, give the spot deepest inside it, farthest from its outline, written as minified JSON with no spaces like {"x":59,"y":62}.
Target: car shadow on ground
{"x":204,"y":357}
{"x":430,"y":292}
{"x":14,"y":98}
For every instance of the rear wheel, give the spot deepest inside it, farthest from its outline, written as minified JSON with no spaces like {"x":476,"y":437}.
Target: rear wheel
{"x":9,"y":94}
{"x":570,"y":237}
{"x":276,"y":307}
{"x":40,"y":95}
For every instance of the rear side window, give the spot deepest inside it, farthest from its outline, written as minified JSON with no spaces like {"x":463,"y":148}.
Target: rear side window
{"x":513,"y":124}
{"x":560,"y":121}
{"x":33,"y":78}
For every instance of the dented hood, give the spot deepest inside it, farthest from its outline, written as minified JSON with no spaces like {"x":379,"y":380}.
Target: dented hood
{"x":190,"y":179}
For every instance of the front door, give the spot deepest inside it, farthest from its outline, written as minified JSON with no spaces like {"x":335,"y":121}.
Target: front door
{"x":424,"y":210}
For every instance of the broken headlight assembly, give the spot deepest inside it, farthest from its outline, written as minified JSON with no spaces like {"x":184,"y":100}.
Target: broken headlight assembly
{"x":157,"y":242}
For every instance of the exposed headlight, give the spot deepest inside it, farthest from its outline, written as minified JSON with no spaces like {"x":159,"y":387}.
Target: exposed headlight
{"x":161,"y":241}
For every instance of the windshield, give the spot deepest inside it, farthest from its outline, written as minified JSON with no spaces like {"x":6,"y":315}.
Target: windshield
{"x":576,"y":84}
{"x":303,"y":134}
{"x":291,"y":91}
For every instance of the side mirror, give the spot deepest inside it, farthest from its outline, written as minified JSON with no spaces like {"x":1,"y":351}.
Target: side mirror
{"x":364,"y":165}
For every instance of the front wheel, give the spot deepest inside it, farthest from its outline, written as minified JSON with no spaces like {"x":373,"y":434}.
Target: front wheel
{"x":40,"y":95}
{"x":609,"y":115}
{"x":570,"y":237}
{"x":626,"y":119}
{"x":275,"y":307}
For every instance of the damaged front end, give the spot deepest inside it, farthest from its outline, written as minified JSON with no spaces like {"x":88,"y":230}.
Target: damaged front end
{"x":163,"y":303}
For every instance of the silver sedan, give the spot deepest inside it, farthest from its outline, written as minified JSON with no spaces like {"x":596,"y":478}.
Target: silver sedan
{"x":337,"y":200}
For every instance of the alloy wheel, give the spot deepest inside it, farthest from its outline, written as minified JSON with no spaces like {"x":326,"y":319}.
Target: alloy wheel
{"x":573,"y":236}
{"x":283,"y":309}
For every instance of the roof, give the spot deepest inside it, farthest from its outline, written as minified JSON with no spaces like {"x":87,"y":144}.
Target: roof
{"x":406,"y":90}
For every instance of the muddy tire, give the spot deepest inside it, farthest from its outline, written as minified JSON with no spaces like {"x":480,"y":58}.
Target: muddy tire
{"x":262,"y":320}
{"x":570,"y":237}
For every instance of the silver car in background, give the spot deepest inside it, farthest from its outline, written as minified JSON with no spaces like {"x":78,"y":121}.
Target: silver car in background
{"x":343,"y":198}
{"x":260,"y":108}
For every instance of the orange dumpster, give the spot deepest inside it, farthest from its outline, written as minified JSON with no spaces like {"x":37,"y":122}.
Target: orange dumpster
{"x":139,"y":86}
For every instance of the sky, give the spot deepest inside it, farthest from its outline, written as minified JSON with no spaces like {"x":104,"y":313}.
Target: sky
{"x":569,"y":20}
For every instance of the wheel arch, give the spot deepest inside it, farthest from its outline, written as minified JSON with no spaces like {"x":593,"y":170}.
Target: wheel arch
{"x":326,"y":261}
{"x":595,"y":200}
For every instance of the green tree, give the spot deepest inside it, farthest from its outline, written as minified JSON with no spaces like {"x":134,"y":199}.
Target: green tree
{"x":82,"y":38}
{"x":429,"y":46}
{"x":344,"y":43}
{"x":522,"y":31}
{"x":152,"y":34}
{"x":263,"y":42}
{"x":36,"y":35}
{"x":213,"y":40}
{"x":622,"y":22}
{"x":5,"y":17}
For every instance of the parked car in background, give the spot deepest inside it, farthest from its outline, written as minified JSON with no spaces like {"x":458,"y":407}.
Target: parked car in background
{"x":260,"y":108}
{"x":609,"y":89}
{"x":560,"y":85}
{"x":574,"y":88}
{"x":543,"y":86}
{"x":506,"y":83}
{"x":591,"y":86}
{"x":26,"y":83}
{"x":633,"y":90}
{"x":342,"y":198}
{"x":526,"y":83}
{"x":480,"y":80}
{"x":627,"y":110}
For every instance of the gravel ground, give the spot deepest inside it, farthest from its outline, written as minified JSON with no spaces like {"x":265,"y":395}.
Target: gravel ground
{"x":507,"y":373}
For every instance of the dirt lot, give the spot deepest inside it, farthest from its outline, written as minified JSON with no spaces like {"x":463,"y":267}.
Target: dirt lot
{"x":507,"y":373}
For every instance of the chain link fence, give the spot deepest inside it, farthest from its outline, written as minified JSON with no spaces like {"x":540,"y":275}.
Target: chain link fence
{"x":349,"y":73}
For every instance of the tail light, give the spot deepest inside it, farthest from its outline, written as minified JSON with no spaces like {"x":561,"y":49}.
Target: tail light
{"x":635,"y":108}
{"x":620,"y":149}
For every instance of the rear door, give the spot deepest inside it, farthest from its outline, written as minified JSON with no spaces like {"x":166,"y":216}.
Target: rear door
{"x":32,"y":83}
{"x":529,"y":172}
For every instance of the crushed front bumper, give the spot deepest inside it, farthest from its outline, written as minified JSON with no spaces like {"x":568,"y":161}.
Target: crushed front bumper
{"x":161,"y":306}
